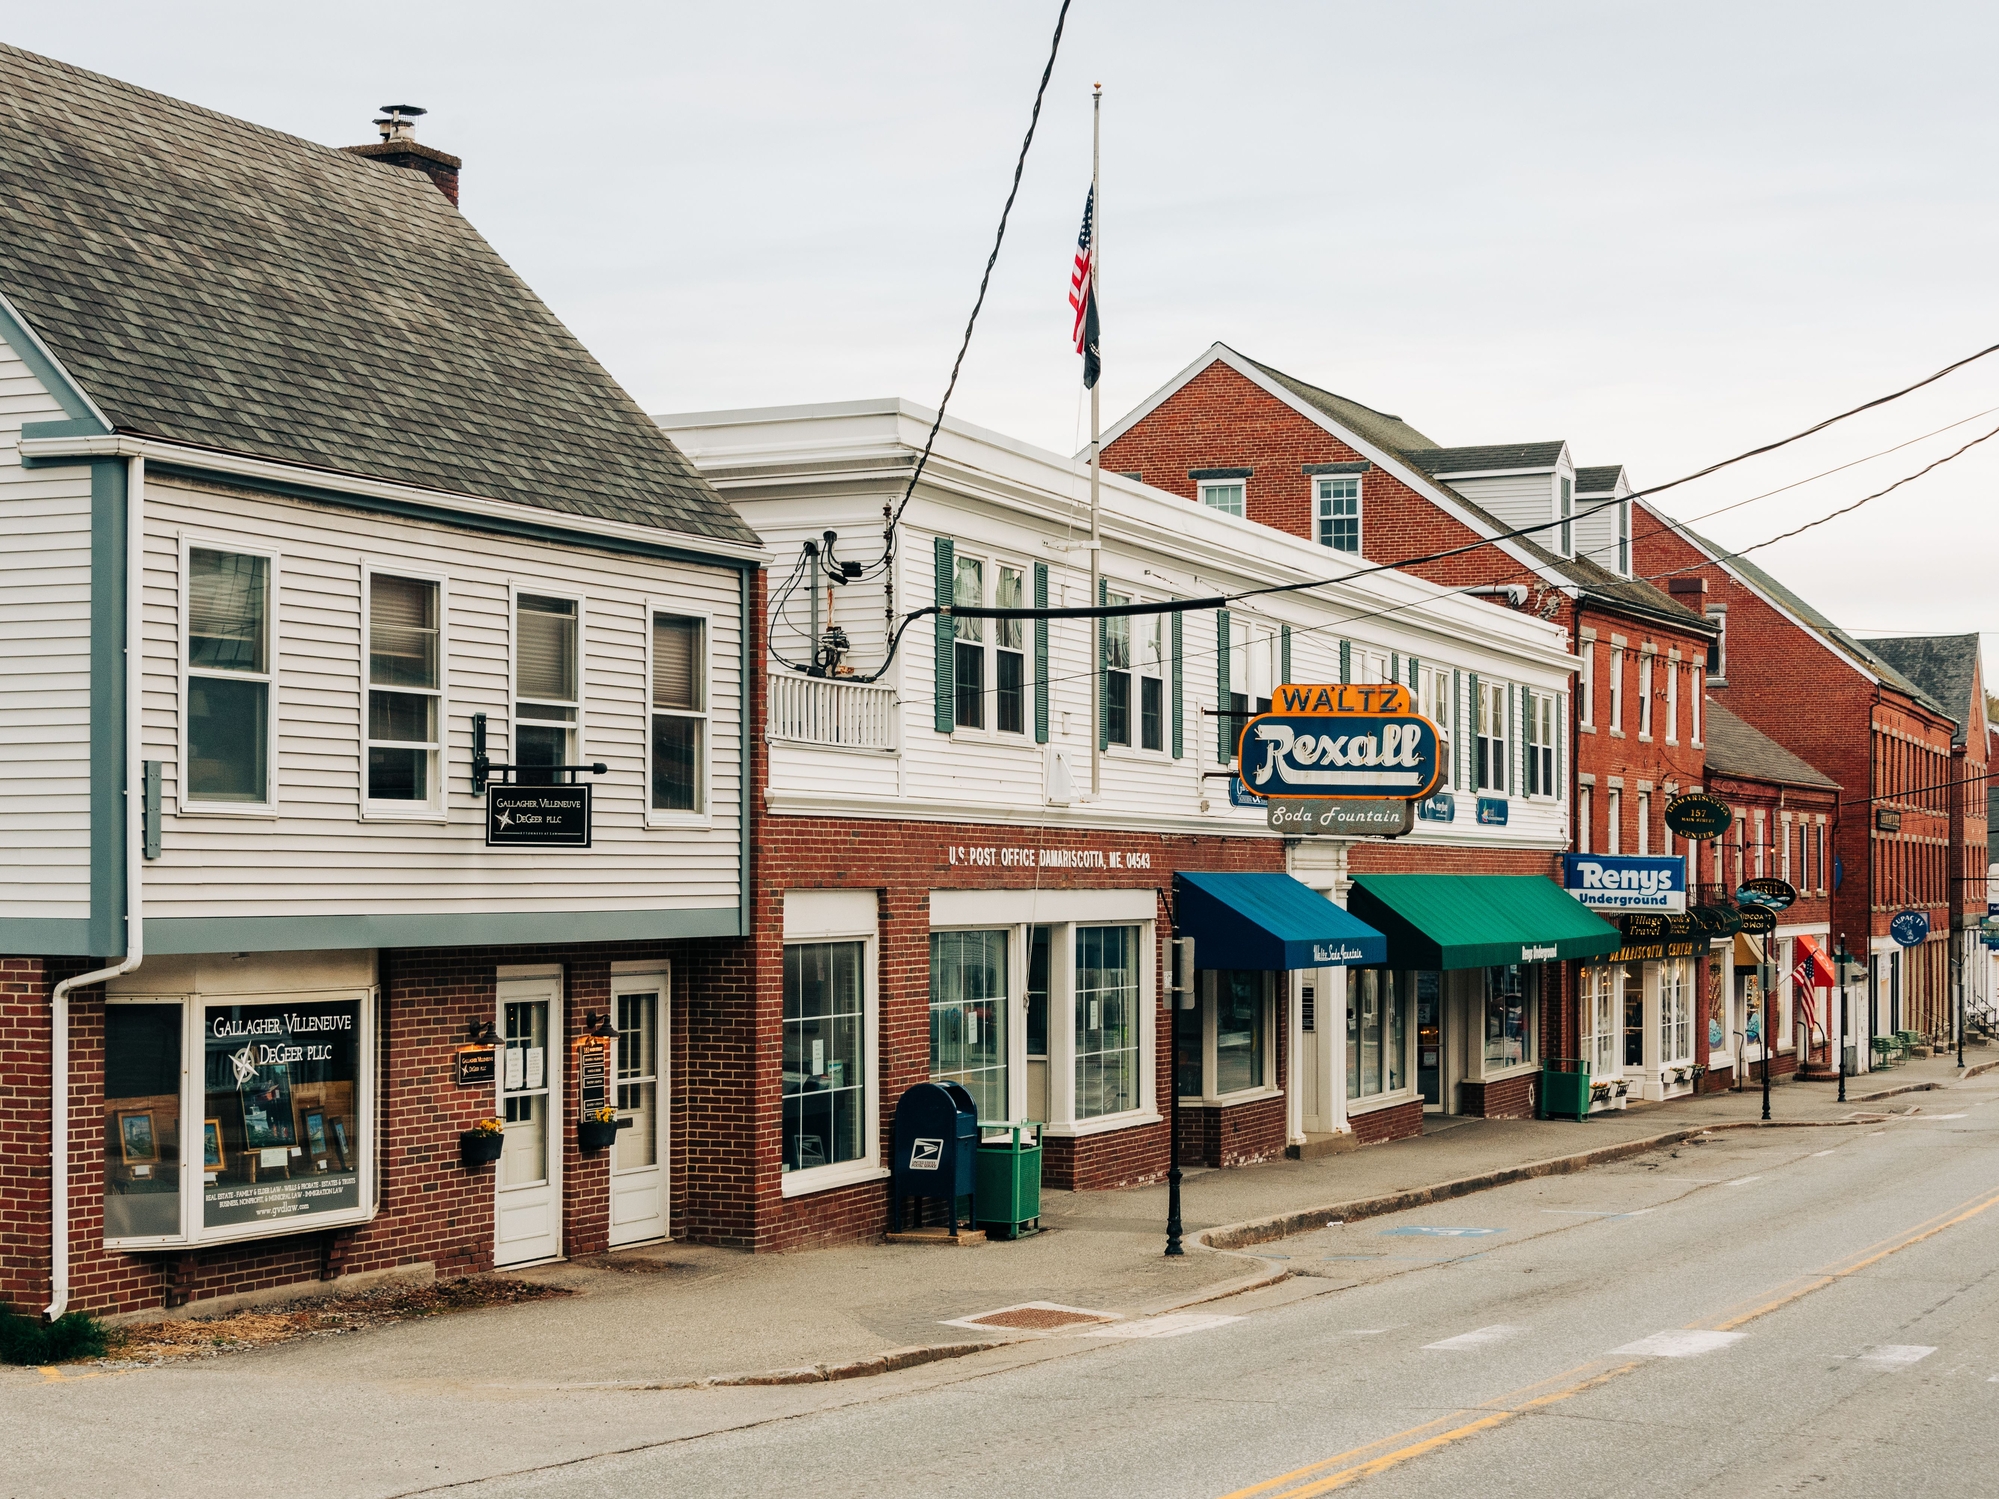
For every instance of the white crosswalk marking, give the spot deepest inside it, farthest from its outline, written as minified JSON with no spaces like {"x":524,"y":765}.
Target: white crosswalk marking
{"x":1478,"y":1337}
{"x":1680,"y":1342}
{"x":1895,"y":1355}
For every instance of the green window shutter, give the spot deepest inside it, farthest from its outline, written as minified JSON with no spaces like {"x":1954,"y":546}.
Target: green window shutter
{"x":1415,"y":680}
{"x":946,"y":717}
{"x":1284,"y":651}
{"x":1103,"y":668}
{"x":1179,"y":713}
{"x":1041,"y":655}
{"x":1223,"y":743}
{"x":1471,"y":738}
{"x":1346,"y":660}
{"x":1394,"y":666}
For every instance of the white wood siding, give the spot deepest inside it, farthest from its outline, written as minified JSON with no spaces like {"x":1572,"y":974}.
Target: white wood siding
{"x":318,"y":856}
{"x":1519,"y":500}
{"x":44,"y":666}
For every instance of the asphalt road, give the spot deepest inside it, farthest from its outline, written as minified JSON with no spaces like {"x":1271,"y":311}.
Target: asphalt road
{"x":1770,"y":1312}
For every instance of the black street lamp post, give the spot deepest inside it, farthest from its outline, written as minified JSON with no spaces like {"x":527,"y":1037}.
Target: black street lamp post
{"x":1183,"y":999}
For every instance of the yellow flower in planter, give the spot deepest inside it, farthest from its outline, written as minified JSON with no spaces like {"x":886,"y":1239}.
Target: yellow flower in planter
{"x":602,"y":1116}
{"x":490,"y":1127}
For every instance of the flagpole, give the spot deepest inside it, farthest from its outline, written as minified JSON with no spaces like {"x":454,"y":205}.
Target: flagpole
{"x":1096,"y":537}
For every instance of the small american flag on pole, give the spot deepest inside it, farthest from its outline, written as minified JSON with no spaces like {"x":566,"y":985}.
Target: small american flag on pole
{"x":1083,"y":296}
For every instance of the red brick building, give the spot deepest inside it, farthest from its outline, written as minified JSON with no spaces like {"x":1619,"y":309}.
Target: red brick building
{"x":1781,"y":665}
{"x":1525,"y":530}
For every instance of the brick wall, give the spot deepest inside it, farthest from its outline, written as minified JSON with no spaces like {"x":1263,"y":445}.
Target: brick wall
{"x":1378,"y":1126}
{"x":1239,"y":1135}
{"x":1510,"y":1098}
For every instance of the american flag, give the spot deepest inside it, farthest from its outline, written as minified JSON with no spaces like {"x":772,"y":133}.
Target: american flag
{"x":1083,"y":296}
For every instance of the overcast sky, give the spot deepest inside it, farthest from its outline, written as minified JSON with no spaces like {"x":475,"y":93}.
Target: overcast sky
{"x":1663,"y":232}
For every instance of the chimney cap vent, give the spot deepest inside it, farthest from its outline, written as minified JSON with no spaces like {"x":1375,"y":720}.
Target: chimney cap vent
{"x":398,"y":122}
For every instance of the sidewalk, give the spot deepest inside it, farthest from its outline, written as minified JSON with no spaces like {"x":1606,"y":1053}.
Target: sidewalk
{"x":679,"y":1314}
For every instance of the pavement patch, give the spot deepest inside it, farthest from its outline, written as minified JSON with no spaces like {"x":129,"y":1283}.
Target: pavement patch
{"x":1678,"y":1342}
{"x":1894,"y":1355}
{"x":1033,"y":1316}
{"x":1415,"y":1232}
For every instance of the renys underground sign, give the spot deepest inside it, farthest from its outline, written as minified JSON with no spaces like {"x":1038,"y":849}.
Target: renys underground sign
{"x":1352,"y":740}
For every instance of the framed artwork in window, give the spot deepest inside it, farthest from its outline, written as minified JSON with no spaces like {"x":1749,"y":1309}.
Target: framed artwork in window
{"x":138,"y":1145}
{"x":212,"y":1158}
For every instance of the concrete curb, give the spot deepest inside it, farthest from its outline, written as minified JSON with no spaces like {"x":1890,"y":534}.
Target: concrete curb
{"x":1282,"y":1225}
{"x":1893,"y":1092}
{"x":860,"y":1368}
{"x":1975,"y":1068}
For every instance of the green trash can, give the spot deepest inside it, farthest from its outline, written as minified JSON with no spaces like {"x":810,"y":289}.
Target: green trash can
{"x":1565,"y":1087}
{"x":1007,"y":1181}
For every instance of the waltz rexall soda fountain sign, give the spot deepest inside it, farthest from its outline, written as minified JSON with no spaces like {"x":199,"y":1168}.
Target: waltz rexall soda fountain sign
{"x":1347,"y":741}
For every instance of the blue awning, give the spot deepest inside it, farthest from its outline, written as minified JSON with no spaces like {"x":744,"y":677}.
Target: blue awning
{"x":1269,"y":921}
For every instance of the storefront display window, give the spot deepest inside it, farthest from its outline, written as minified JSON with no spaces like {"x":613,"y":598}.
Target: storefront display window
{"x":1676,"y":1030}
{"x":142,"y":1121}
{"x":968,"y":1008}
{"x":1717,"y":1011}
{"x":825,"y":1083}
{"x":1430,"y":1037}
{"x":1376,"y":1034}
{"x":1508,"y":1036}
{"x":1633,"y":985}
{"x":1106,"y":1020}
{"x":1599,"y":1006}
{"x":276,"y":1108}
{"x":1241,"y":1007}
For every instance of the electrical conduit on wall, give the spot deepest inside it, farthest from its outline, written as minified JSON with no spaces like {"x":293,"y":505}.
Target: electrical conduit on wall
{"x":135,"y":944}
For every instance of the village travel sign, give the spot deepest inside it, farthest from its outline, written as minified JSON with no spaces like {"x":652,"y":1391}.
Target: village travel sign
{"x":1358,"y":741}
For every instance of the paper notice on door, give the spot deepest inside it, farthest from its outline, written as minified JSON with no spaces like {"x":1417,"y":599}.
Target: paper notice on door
{"x":818,"y":1058}
{"x":513,"y":1079}
{"x":537,"y":1066}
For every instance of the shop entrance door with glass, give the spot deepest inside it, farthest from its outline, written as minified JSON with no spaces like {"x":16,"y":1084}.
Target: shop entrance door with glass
{"x":638,"y":1159}
{"x":527,"y":1211}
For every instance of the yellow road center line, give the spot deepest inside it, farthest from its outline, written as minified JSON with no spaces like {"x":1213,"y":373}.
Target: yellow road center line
{"x":1357,"y":1463}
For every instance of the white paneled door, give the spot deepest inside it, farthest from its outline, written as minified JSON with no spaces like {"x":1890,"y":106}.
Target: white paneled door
{"x":638,"y":1160}
{"x":527,"y":1211}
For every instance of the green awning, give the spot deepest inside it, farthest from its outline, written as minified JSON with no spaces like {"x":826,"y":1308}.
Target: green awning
{"x":1478,"y":920}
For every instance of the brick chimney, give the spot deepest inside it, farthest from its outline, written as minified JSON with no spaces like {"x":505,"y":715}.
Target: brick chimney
{"x":398,"y":148}
{"x":1689,"y":591}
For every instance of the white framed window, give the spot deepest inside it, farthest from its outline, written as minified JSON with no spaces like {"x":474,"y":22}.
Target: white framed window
{"x":1600,"y":985}
{"x":1820,"y":838}
{"x":235,"y":1118}
{"x":1676,"y":1012}
{"x":1645,"y":695}
{"x":1117,"y":673}
{"x":969,"y":1008}
{"x":1613,"y":831}
{"x":828,"y":1074}
{"x":968,"y":590}
{"x":1377,"y":1033}
{"x":1566,"y":514}
{"x":1784,"y":859}
{"x":1672,"y":702}
{"x":1694,"y":703}
{"x":990,"y":661}
{"x":1225,"y":495}
{"x":1508,"y":1039}
{"x":548,"y":685}
{"x":228,"y":654}
{"x":677,"y":740}
{"x":1586,"y":683}
{"x":1644,"y":822}
{"x":403,"y":648}
{"x":1540,"y":722}
{"x":1762,"y":845}
{"x":1109,"y":1018}
{"x":1717,"y":648}
{"x":1489,"y":745}
{"x":1227,"y":1044}
{"x":1617,"y":689}
{"x":1622,"y":511}
{"x":1337,"y":506}
{"x":1434,"y":694}
{"x":1584,"y":798}
{"x":1009,"y":652}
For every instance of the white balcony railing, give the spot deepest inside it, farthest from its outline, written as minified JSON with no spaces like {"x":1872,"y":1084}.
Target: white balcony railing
{"x":828,"y":712}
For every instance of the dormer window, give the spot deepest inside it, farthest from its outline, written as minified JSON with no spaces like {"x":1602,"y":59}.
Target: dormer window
{"x":1623,"y":510}
{"x":1568,"y":518}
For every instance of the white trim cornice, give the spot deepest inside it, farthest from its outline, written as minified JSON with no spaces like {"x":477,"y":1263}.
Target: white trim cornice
{"x":241,"y":466}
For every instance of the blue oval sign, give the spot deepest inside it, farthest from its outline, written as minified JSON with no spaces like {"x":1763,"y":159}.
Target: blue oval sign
{"x":1379,"y":756}
{"x":1909,"y":928}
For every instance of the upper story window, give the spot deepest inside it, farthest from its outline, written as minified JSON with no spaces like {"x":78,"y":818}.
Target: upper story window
{"x":1586,"y":684}
{"x":1694,"y":703}
{"x":547,"y":686}
{"x":989,"y":660}
{"x":1339,"y":513}
{"x":1224,"y":495}
{"x":1645,"y":696}
{"x":228,"y":677}
{"x":1540,"y":718}
{"x":1617,"y":689}
{"x":1434,"y":694}
{"x":1613,"y":824}
{"x":1623,"y":513}
{"x":968,"y":589}
{"x":404,"y":691}
{"x":1152,"y":682}
{"x":1568,"y":518}
{"x":1490,"y":745}
{"x":1009,"y":654}
{"x":1717,"y":648}
{"x":679,"y":713}
{"x":1672,"y":702}
{"x":1117,"y":673}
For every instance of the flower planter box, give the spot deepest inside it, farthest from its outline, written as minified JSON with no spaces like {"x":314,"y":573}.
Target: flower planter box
{"x":598,"y":1134}
{"x":477,"y":1149}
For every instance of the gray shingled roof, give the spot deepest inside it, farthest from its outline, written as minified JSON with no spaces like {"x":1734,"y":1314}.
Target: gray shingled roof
{"x":1833,"y":635}
{"x":1601,"y":479}
{"x":1944,"y":666}
{"x":1503,"y":456}
{"x":1411,"y":446}
{"x":1735,"y":748}
{"x":212,"y":282}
